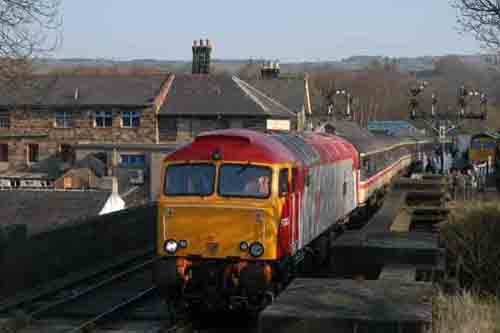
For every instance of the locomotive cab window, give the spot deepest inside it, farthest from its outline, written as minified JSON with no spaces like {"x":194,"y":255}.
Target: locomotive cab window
{"x":190,"y":180}
{"x":244,"y":180}
{"x":283,"y":183}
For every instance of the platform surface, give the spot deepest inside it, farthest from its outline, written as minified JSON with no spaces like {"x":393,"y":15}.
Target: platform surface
{"x":410,"y":248}
{"x":327,"y":305}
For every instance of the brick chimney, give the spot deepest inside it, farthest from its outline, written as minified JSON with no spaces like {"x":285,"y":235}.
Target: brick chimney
{"x":270,"y":70}
{"x":201,"y":56}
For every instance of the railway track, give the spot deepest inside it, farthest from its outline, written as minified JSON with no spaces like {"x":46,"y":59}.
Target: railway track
{"x":74,"y":281}
{"x":96,"y":298}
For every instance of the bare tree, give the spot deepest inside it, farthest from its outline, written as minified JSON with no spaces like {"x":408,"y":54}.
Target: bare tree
{"x":27,"y":28}
{"x":482,"y":18}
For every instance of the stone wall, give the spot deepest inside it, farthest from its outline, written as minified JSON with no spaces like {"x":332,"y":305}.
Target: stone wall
{"x":188,"y":128}
{"x":38,"y":127}
{"x":28,"y":262}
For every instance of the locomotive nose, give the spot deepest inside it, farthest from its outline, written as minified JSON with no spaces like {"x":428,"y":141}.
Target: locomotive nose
{"x":221,"y":232}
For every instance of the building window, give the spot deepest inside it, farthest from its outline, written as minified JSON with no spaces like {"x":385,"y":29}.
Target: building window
{"x":133,"y":161}
{"x":131,"y":119}
{"x":4,"y":119}
{"x":64,"y":119}
{"x":32,"y":153}
{"x":4,"y":152}
{"x":103,"y":119}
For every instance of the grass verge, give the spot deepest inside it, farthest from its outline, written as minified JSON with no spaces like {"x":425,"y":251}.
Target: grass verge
{"x":466,"y":313}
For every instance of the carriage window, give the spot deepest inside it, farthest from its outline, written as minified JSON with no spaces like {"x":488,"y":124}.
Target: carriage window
{"x":190,"y":179}
{"x":283,"y":187}
{"x":244,"y":180}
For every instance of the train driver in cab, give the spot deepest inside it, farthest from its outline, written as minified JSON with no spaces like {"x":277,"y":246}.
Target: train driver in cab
{"x":258,"y":186}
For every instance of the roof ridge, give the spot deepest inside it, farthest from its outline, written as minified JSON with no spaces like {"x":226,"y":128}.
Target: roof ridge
{"x":245,"y":86}
{"x":249,"y":94}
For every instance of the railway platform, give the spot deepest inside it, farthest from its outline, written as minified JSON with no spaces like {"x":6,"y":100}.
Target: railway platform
{"x":348,"y":306}
{"x":377,"y":245}
{"x":380,"y":277}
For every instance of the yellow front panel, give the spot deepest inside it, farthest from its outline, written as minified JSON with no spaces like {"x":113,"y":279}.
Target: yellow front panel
{"x":481,"y":155}
{"x":215,"y":230}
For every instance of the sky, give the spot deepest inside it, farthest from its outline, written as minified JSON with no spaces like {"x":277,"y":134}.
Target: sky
{"x":313,"y":30}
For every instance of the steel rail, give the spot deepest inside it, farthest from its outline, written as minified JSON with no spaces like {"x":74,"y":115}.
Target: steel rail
{"x":92,"y":288}
{"x":24,"y":300}
{"x":113,"y":309}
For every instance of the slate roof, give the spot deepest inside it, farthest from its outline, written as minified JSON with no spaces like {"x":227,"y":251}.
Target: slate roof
{"x":42,"y":209}
{"x":210,"y":95}
{"x":288,"y":91}
{"x":102,"y":90}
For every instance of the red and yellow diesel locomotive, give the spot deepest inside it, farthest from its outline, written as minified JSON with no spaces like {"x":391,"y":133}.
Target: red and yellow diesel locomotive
{"x":239,"y":209}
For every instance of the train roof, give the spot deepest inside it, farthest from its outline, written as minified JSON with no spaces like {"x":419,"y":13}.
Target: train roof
{"x":491,"y":135}
{"x":257,"y":147}
{"x":365,"y":141}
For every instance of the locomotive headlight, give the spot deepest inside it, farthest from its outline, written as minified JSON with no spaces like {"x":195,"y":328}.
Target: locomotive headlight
{"x":171,"y":246}
{"x":244,"y":246}
{"x":256,"y":249}
{"x":183,"y":244}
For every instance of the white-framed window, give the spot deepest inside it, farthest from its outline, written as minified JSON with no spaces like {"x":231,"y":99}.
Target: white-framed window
{"x":104,"y":119}
{"x":131,"y":119}
{"x":4,"y":119}
{"x":64,"y":119}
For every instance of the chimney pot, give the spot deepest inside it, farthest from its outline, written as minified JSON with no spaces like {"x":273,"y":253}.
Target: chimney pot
{"x":195,"y":43}
{"x":270,"y":69}
{"x":201,"y":57}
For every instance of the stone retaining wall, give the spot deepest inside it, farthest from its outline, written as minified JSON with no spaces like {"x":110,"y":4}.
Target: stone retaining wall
{"x":29,"y":261}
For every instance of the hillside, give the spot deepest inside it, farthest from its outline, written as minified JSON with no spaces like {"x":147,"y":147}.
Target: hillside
{"x":415,"y":64}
